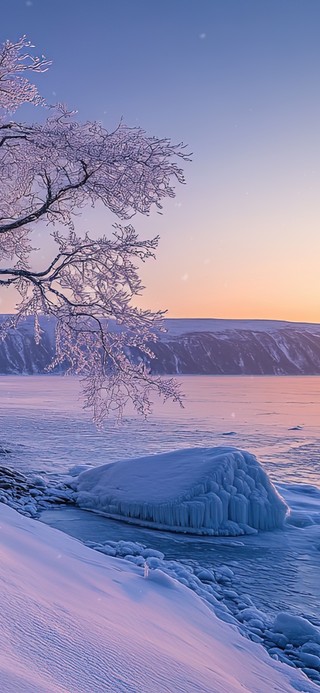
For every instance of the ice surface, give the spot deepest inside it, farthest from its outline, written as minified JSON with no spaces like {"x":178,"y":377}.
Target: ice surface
{"x":76,"y":620}
{"x":217,"y":491}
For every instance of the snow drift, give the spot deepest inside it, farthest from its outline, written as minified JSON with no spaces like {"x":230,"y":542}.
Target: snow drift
{"x":75,"y":620}
{"x":217,"y":491}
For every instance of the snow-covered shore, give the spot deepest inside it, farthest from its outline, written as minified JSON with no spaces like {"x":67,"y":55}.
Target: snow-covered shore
{"x":221,"y":491}
{"x":76,"y":620}
{"x":268,"y":572}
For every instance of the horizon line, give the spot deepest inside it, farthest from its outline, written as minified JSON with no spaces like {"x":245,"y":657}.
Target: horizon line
{"x":228,"y":319}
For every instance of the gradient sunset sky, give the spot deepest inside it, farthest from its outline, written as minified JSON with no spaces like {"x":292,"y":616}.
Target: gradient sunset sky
{"x":239,"y":82}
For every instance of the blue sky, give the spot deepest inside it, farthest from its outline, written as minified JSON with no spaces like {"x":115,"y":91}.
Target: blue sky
{"x":238,"y":81}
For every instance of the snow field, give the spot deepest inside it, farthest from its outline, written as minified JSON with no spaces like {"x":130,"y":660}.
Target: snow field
{"x":75,"y":620}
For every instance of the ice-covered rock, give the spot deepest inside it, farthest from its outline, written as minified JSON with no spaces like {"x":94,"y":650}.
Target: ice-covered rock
{"x":215,"y":491}
{"x":298,"y":630}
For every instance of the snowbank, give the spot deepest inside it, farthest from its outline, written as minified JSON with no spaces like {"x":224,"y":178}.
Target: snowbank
{"x":75,"y":620}
{"x":218,"y":491}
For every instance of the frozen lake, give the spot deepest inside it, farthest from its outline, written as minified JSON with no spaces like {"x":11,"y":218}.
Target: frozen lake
{"x":277,"y":418}
{"x":44,"y":429}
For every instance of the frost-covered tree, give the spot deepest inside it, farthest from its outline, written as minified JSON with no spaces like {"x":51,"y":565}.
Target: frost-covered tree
{"x":49,"y":171}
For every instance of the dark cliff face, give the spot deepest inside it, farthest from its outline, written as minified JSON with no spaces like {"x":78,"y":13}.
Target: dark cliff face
{"x":235,"y":352}
{"x":192,"y":347}
{"x":19,"y":353}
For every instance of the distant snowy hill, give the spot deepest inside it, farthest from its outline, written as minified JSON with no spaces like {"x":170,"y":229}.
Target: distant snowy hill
{"x":193,"y":346}
{"x":235,"y":347}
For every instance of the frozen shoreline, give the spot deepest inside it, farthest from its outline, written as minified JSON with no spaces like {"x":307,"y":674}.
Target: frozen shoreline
{"x":218,"y":584}
{"x":277,"y":572}
{"x":77,"y":620}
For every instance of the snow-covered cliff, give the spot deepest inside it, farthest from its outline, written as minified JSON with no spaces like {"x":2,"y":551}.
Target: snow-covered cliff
{"x":226,"y":347}
{"x":234,"y":347}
